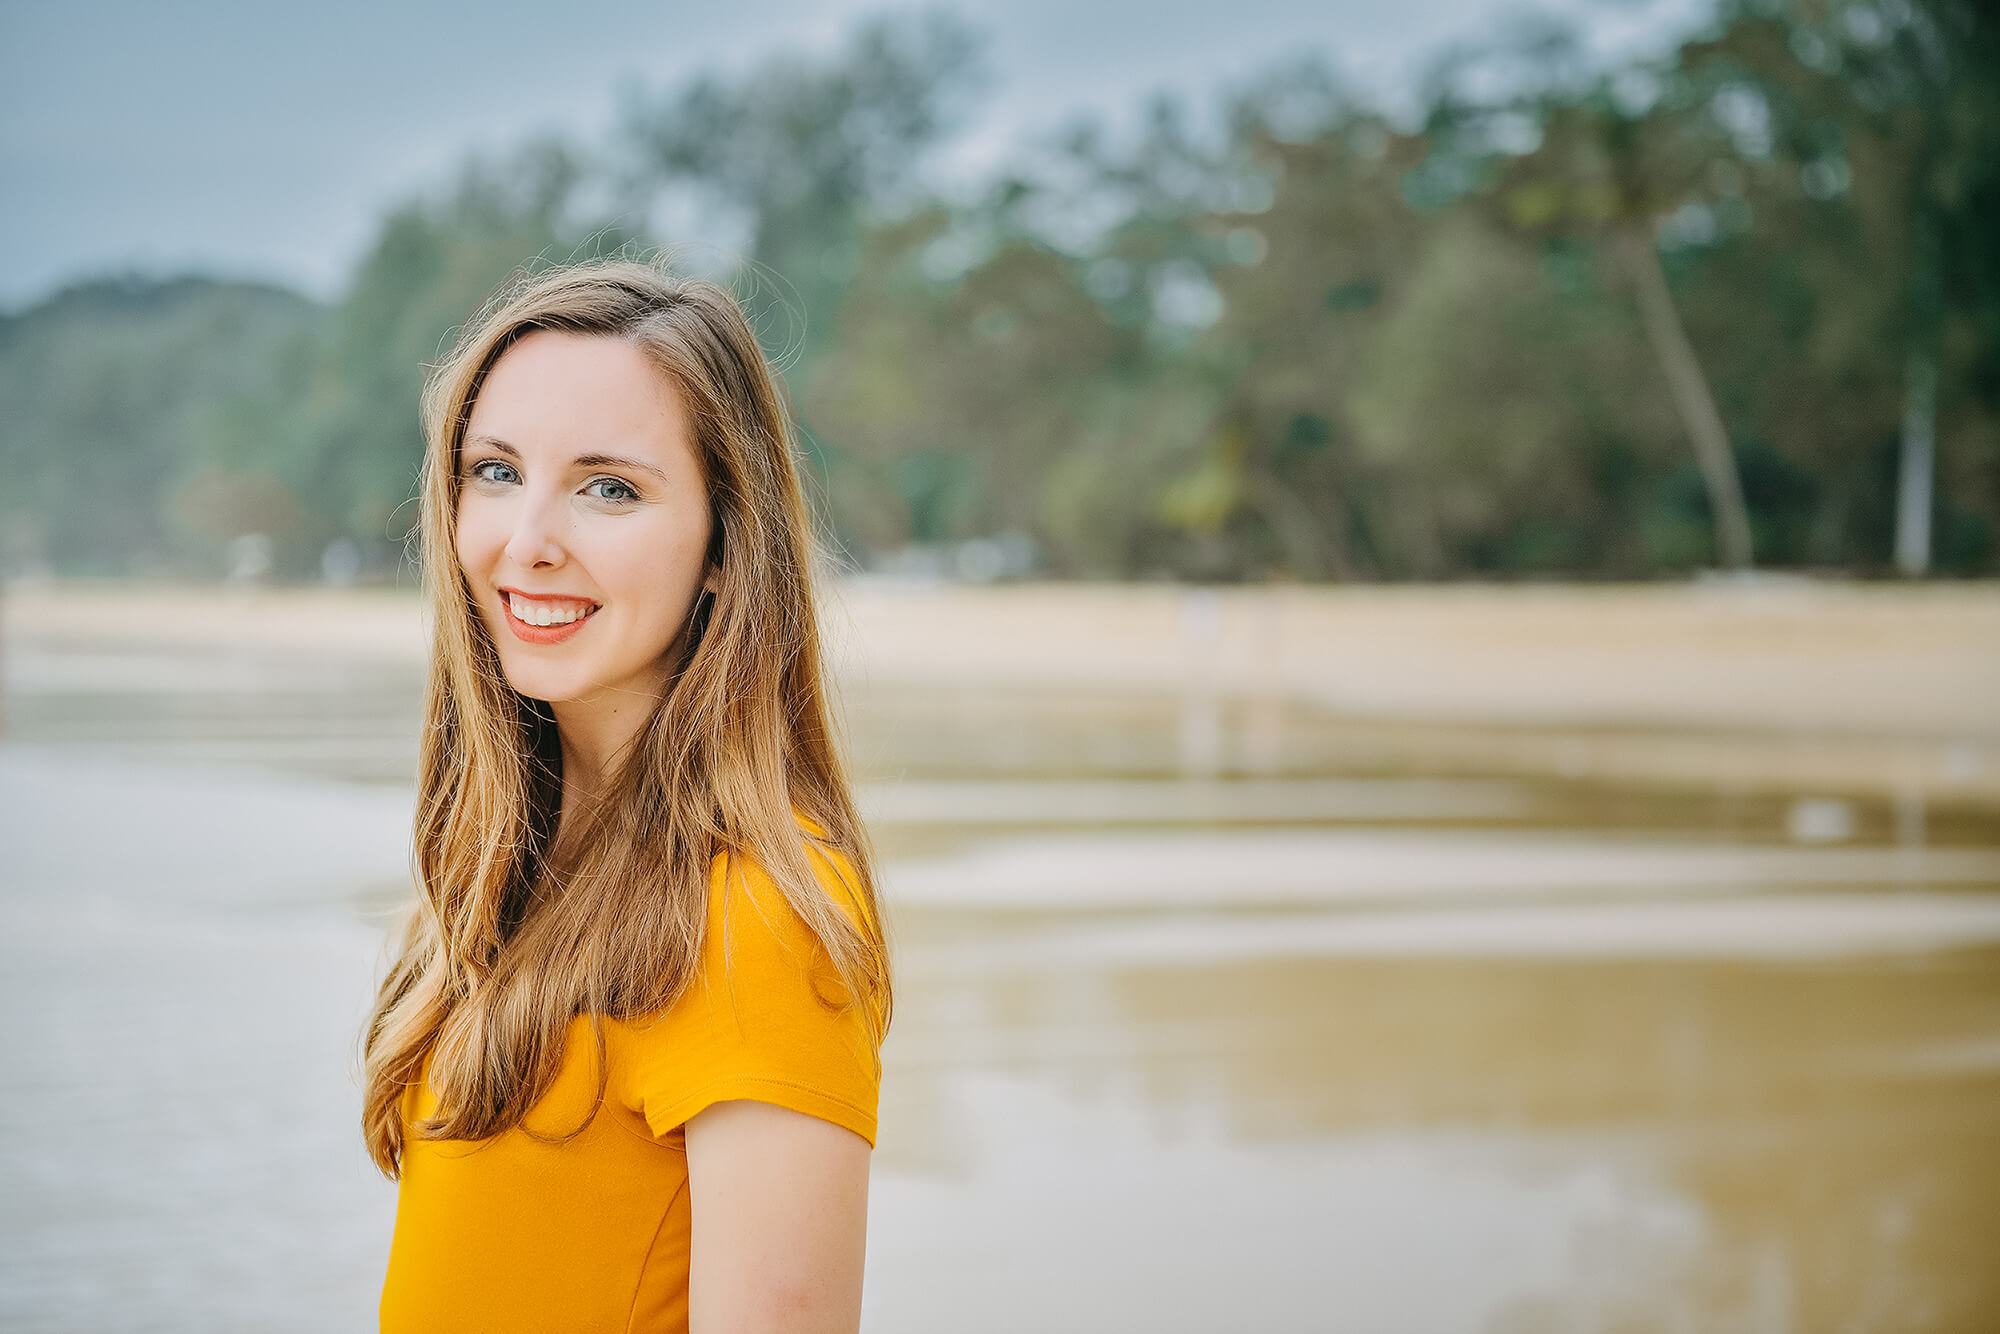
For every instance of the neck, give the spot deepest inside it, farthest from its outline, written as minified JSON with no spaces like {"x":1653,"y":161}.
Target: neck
{"x":594,"y":739}
{"x":598,"y":728}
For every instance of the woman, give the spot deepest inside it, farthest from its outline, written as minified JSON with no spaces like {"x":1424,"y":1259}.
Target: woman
{"x":625,"y":1063}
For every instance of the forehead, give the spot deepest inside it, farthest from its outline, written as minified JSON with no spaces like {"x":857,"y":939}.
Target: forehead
{"x":555,"y":393}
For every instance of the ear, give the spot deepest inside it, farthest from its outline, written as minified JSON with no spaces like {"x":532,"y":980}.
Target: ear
{"x":713,"y":580}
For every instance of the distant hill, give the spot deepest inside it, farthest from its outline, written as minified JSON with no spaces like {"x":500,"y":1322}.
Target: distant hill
{"x":116,"y":392}
{"x":124,"y":295}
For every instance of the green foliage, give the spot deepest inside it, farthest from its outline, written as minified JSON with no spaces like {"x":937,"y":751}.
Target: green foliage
{"x":120,"y":392}
{"x":809,"y":153}
{"x":1555,"y":380}
{"x":1324,"y":345}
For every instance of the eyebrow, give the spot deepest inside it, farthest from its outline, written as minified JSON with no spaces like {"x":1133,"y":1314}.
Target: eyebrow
{"x":494,"y":442}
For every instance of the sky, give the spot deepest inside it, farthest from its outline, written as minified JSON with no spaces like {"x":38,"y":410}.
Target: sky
{"x":263,"y":140}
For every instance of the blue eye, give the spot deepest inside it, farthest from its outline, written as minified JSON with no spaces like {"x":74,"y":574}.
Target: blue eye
{"x":629,"y":493}
{"x":477,"y":469}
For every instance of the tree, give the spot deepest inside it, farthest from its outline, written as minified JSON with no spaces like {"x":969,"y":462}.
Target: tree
{"x":118,"y":391}
{"x":808,"y":154}
{"x":1890,"y":112}
{"x":1610,"y":172}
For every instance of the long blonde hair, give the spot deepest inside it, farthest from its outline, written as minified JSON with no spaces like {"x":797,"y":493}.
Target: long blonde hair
{"x":513,"y":936}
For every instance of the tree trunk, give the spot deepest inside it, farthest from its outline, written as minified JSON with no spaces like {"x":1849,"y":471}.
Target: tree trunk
{"x":1913,"y":478}
{"x":1692,"y":398}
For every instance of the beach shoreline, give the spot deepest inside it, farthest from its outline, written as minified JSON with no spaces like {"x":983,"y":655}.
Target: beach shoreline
{"x":1770,"y":683}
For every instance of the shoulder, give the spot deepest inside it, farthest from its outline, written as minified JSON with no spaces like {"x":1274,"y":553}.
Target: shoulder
{"x":766,"y":1015}
{"x":742,"y":890}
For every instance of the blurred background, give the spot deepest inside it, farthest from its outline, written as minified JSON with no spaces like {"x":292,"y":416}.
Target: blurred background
{"x":1416,"y":614}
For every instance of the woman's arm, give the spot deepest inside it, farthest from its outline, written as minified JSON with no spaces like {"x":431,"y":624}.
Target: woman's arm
{"x":780,"y":1218}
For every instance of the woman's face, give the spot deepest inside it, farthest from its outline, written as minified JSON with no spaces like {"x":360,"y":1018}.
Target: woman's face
{"x":583,"y":520}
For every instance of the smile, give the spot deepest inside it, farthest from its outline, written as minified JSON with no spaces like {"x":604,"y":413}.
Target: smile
{"x":545,"y":622}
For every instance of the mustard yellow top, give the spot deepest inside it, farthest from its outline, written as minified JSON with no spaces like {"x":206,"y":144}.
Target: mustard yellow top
{"x":512,"y":1234}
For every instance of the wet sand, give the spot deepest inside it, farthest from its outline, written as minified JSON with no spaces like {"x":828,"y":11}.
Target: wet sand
{"x":1580,"y":1109}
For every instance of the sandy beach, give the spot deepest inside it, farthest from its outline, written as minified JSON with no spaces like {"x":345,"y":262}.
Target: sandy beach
{"x":1773,"y":683}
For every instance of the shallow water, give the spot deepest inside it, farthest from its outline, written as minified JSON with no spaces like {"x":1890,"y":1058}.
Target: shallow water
{"x":1211,"y":1015}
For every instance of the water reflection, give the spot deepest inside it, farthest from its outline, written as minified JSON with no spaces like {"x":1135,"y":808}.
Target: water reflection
{"x":1451,"y":1144}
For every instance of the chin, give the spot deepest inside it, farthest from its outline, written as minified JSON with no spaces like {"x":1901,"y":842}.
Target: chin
{"x":549,"y":687}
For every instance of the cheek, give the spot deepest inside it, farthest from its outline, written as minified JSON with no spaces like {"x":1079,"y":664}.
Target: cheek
{"x":654,"y":557}
{"x":473,"y":540}
{"x":659,"y":576}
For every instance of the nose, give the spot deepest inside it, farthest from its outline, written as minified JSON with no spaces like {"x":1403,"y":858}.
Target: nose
{"x":540,"y":527}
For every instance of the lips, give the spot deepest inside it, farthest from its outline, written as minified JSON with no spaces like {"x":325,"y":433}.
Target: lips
{"x":547,"y":608}
{"x":530,"y":633}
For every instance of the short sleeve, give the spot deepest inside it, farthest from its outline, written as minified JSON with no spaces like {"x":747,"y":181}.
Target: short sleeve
{"x":755,"y":1022}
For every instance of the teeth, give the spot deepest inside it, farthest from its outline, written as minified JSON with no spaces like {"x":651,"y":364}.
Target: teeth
{"x":547,"y":613}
